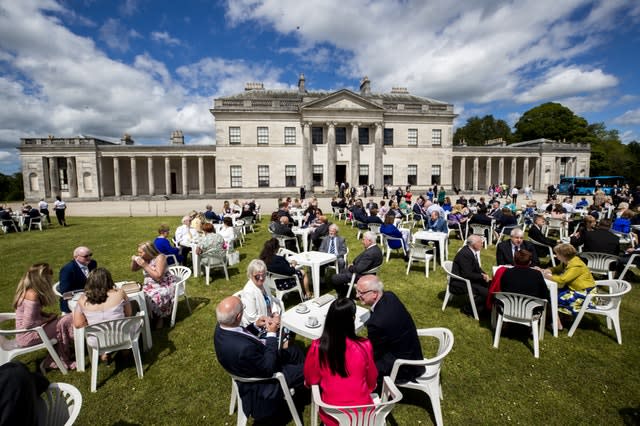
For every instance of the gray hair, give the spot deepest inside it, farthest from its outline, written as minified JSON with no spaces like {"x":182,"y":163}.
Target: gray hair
{"x":256,"y":265}
{"x":334,"y":226}
{"x":517,"y":232}
{"x":226,"y":315}
{"x":369,"y":235}
{"x":473,"y":238}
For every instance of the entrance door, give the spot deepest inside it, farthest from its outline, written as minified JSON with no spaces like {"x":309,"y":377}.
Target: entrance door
{"x":174,"y":183}
{"x":341,"y":173}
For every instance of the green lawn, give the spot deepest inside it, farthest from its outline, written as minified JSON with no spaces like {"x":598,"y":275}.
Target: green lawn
{"x":587,"y":379}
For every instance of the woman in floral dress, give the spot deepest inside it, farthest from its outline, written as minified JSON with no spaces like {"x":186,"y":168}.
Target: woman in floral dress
{"x":158,"y":281}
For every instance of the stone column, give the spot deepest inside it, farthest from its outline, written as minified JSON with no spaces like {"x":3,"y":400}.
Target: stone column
{"x":72,"y":175}
{"x":201,"y":175}
{"x":167,"y":176}
{"x":556,"y":175}
{"x":307,"y":156}
{"x":134,"y":178}
{"x":331,"y":156}
{"x":55,"y":178}
{"x":152,"y":183}
{"x":185,"y":183}
{"x":476,"y":170}
{"x":537,"y":179}
{"x":500,"y":171}
{"x":116,"y":176}
{"x":355,"y":154}
{"x":525,"y":172}
{"x":463,"y":173}
{"x":378,"y":151}
{"x":487,"y":178}
{"x":46,"y":174}
{"x":514,"y":162}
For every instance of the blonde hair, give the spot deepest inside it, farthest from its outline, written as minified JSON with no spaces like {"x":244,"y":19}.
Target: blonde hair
{"x":149,"y":249}
{"x":39,"y":279}
{"x":565,"y":250}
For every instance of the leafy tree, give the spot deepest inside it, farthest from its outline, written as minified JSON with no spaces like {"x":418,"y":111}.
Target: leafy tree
{"x":553,"y":121}
{"x":11,"y":188}
{"x":479,"y":130}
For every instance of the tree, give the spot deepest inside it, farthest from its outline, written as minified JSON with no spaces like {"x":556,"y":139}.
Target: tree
{"x":11,"y":188}
{"x":479,"y":130}
{"x":553,"y":121}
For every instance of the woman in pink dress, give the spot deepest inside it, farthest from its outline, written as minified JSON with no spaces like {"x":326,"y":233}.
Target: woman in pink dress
{"x":340,"y":361}
{"x":34,"y":292}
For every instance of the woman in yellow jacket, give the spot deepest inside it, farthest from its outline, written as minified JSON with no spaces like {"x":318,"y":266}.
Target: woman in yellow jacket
{"x":573,"y":277}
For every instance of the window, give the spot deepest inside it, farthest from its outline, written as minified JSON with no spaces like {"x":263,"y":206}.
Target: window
{"x":435,"y":174}
{"x":412,"y":137}
{"x":436,"y":137}
{"x":341,"y":135}
{"x":388,"y":136}
{"x":290,"y":176}
{"x":263,"y":135}
{"x":412,"y":174}
{"x":236,"y":176}
{"x":289,"y":135}
{"x":363,"y":136}
{"x":363,"y":179}
{"x":63,"y":177}
{"x":318,"y":175}
{"x":317,"y":134}
{"x":263,"y":176}
{"x":387,"y":174}
{"x":234,"y":135}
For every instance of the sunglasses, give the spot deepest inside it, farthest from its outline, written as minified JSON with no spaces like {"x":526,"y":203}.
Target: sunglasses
{"x":259,"y":277}
{"x":359,"y":294}
{"x":86,"y":255}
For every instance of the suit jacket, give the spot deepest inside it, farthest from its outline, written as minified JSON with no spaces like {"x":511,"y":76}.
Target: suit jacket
{"x":393,"y":335}
{"x":466,"y":265}
{"x":504,"y":253}
{"x":71,"y":279}
{"x":523,"y":280}
{"x":341,"y":249}
{"x":245,"y":356}
{"x":536,"y":234}
{"x":368,"y":259}
{"x":599,"y":241}
{"x":320,"y":231}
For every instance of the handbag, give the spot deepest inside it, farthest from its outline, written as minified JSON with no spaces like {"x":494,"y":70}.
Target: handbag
{"x":233,"y":258}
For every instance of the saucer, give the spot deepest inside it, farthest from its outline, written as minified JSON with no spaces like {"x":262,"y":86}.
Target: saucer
{"x":312,"y":326}
{"x":302,"y":309}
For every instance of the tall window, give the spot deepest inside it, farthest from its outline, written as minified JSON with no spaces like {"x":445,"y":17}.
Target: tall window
{"x":341,"y":135}
{"x":412,"y":174}
{"x":263,"y":176}
{"x":236,"y":176}
{"x":363,"y":179}
{"x":289,"y":135}
{"x":290,"y":176}
{"x":318,"y":175}
{"x":234,"y":135}
{"x":363,"y":136}
{"x":412,"y":137}
{"x":435,"y":174}
{"x":388,"y":136}
{"x":317,"y":134}
{"x":263,"y":135}
{"x":436,"y":137}
{"x":387,"y":174}
{"x":63,"y":176}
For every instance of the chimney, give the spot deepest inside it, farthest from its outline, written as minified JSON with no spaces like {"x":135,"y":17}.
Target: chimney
{"x":365,"y":86}
{"x":253,"y":86}
{"x":301,"y":88}
{"x":177,"y":138}
{"x":126,"y":139}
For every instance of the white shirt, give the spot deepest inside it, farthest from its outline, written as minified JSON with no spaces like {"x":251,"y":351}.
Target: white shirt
{"x":43,"y":205}
{"x":184,"y":234}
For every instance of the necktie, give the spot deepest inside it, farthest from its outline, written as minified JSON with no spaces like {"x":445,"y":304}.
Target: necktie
{"x":85,"y":271}
{"x":332,"y":246}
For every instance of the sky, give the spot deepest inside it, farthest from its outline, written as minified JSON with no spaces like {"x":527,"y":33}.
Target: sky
{"x":103,"y":68}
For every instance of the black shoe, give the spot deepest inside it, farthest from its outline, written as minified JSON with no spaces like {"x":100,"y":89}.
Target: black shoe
{"x":467,"y":310}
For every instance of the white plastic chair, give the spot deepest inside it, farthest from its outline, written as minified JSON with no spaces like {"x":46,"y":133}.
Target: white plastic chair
{"x":282,"y":240}
{"x":219,"y":262}
{"x":606,"y":304}
{"x":547,"y":248}
{"x":114,"y":335}
{"x":518,"y":308}
{"x":421,"y":253}
{"x":386,"y":240}
{"x":182,"y":274}
{"x":556,"y":224}
{"x":362,"y":415}
{"x":484,"y":231}
{"x":61,"y":405}
{"x":429,"y":382}
{"x":630,"y":265}
{"x":8,"y":223}
{"x":372,"y":271}
{"x":235,"y":396}
{"x":448,"y":268}
{"x":271,"y":277}
{"x":33,"y":221}
{"x":9,"y":348}
{"x":599,"y":263}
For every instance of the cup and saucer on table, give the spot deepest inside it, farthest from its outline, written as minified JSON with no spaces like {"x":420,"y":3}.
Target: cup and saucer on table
{"x":302,"y":308}
{"x":312,"y":322}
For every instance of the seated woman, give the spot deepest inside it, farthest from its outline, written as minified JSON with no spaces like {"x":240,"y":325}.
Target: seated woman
{"x":558,"y":212}
{"x":279,"y":265}
{"x":390,"y":230}
{"x":227,"y":232}
{"x":521,"y":279}
{"x":505,"y":219}
{"x":35,"y":291}
{"x":164,"y":246}
{"x":226,"y":208}
{"x":395,"y":210}
{"x":623,"y":222}
{"x":573,"y":277}
{"x":257,"y":300}
{"x":310,"y":216}
{"x":158,"y":281}
{"x":446,"y":206}
{"x":340,"y":362}
{"x":457,"y":217}
{"x":211,"y":246}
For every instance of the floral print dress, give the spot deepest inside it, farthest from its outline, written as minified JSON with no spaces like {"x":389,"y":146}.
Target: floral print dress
{"x":159,"y":294}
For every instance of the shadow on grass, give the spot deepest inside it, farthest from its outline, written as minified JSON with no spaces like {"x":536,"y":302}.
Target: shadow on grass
{"x":630,"y":416}
{"x":123,"y":423}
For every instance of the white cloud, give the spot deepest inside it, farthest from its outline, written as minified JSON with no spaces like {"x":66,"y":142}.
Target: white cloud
{"x":582,"y":104}
{"x":128,"y":7}
{"x":630,"y":117}
{"x":560,"y":81}
{"x":4,"y":156}
{"x":164,"y":37}
{"x":116,"y":35}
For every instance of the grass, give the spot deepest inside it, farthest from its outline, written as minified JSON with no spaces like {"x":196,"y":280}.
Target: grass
{"x":587,"y":379}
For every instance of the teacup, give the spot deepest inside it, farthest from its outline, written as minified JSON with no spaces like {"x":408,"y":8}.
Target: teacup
{"x":312,"y":321}
{"x":302,"y":308}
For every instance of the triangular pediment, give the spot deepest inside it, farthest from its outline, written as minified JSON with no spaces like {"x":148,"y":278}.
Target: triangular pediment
{"x":341,"y":100}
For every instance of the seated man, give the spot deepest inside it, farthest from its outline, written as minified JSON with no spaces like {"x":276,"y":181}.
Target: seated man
{"x":373,"y":217}
{"x":599,"y":240}
{"x":466,"y":264}
{"x":419,"y":211}
{"x":583,"y":203}
{"x":436,"y":223}
{"x":164,"y":246}
{"x":185,"y":236}
{"x":535,"y":233}
{"x":242,"y":354}
{"x":210,"y":215}
{"x":283,"y":227}
{"x":370,"y":258}
{"x":32,"y":216}
{"x":335,"y":244}
{"x":73,"y":275}
{"x":506,"y":249}
{"x":319,"y":231}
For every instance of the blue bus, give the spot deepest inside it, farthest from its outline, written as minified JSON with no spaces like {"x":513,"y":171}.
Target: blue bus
{"x":587,"y":185}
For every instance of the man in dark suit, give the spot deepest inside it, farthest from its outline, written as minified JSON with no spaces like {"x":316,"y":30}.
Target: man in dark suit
{"x":371,"y":204}
{"x":535,"y":233}
{"x":242,"y":354}
{"x":368,"y":259}
{"x":600,"y":240}
{"x":283,"y":227}
{"x":73,"y":275}
{"x":506,"y":249}
{"x":466,"y":264}
{"x":322,"y":230}
{"x":419,"y":211}
{"x":335,"y":244}
{"x":390,"y":329}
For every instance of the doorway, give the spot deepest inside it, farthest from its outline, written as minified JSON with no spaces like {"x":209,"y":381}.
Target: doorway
{"x":174,"y":183}
{"x":341,"y":173}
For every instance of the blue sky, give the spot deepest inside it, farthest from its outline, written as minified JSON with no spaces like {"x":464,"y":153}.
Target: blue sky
{"x":147,"y":67}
